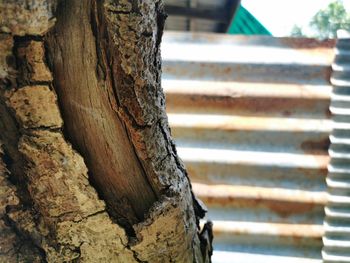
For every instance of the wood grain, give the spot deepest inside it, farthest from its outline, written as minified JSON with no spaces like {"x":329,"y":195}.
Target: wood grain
{"x":91,"y":121}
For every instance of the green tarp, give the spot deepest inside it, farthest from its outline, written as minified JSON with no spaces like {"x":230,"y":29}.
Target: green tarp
{"x":244,"y":23}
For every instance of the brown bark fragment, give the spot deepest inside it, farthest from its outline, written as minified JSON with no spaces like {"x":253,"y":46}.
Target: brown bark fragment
{"x":30,"y":57}
{"x":9,"y":131}
{"x":167,"y":234}
{"x":12,"y":247}
{"x":6,"y":43}
{"x":35,"y":106}
{"x":58,"y":177}
{"x":7,"y":197}
{"x":98,"y":240}
{"x":22,"y":17}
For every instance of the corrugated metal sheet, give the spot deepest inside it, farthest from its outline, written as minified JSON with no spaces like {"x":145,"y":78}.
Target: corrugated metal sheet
{"x":337,"y":223}
{"x":251,"y":120}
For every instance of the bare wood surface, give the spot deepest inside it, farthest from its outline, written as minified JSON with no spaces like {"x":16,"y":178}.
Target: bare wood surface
{"x":90,"y":120}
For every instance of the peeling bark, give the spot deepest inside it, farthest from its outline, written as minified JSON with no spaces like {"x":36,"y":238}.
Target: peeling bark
{"x":13,"y":248}
{"x":105,"y":67}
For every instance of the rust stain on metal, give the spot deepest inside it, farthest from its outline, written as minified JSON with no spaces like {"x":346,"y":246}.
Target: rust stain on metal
{"x":284,"y":209}
{"x":226,"y":194}
{"x":253,"y":123}
{"x":296,"y":232}
{"x":245,"y":89}
{"x":245,"y":105}
{"x":321,"y":171}
{"x":309,"y":43}
{"x":316,"y":146}
{"x":312,"y":47}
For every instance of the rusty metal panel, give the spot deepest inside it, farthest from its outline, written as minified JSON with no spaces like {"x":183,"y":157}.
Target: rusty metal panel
{"x":337,"y":222}
{"x":250,"y":117}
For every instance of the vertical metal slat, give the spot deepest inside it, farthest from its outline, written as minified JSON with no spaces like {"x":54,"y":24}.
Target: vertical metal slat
{"x":337,"y":221}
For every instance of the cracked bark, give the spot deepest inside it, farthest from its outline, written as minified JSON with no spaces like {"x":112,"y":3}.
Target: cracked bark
{"x":111,"y":188}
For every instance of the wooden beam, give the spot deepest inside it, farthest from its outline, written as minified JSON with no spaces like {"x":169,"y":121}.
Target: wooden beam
{"x":231,"y":7}
{"x":219,"y":15}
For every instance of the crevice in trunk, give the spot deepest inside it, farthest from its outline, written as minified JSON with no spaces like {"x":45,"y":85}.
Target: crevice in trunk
{"x":123,"y":197}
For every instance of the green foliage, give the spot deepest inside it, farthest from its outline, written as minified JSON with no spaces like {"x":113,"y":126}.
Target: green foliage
{"x":297,"y":31}
{"x":327,"y":21}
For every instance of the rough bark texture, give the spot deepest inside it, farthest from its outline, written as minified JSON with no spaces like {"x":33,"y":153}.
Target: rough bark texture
{"x":105,"y":68}
{"x":13,"y":248}
{"x":26,"y":17}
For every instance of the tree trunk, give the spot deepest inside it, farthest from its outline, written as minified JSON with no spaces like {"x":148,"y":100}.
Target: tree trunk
{"x":88,"y":169}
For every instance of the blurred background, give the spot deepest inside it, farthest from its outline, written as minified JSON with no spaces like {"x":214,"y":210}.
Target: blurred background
{"x":248,"y":89}
{"x":312,"y":18}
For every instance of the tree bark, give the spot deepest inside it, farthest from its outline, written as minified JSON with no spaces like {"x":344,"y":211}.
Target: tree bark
{"x":88,"y":169}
